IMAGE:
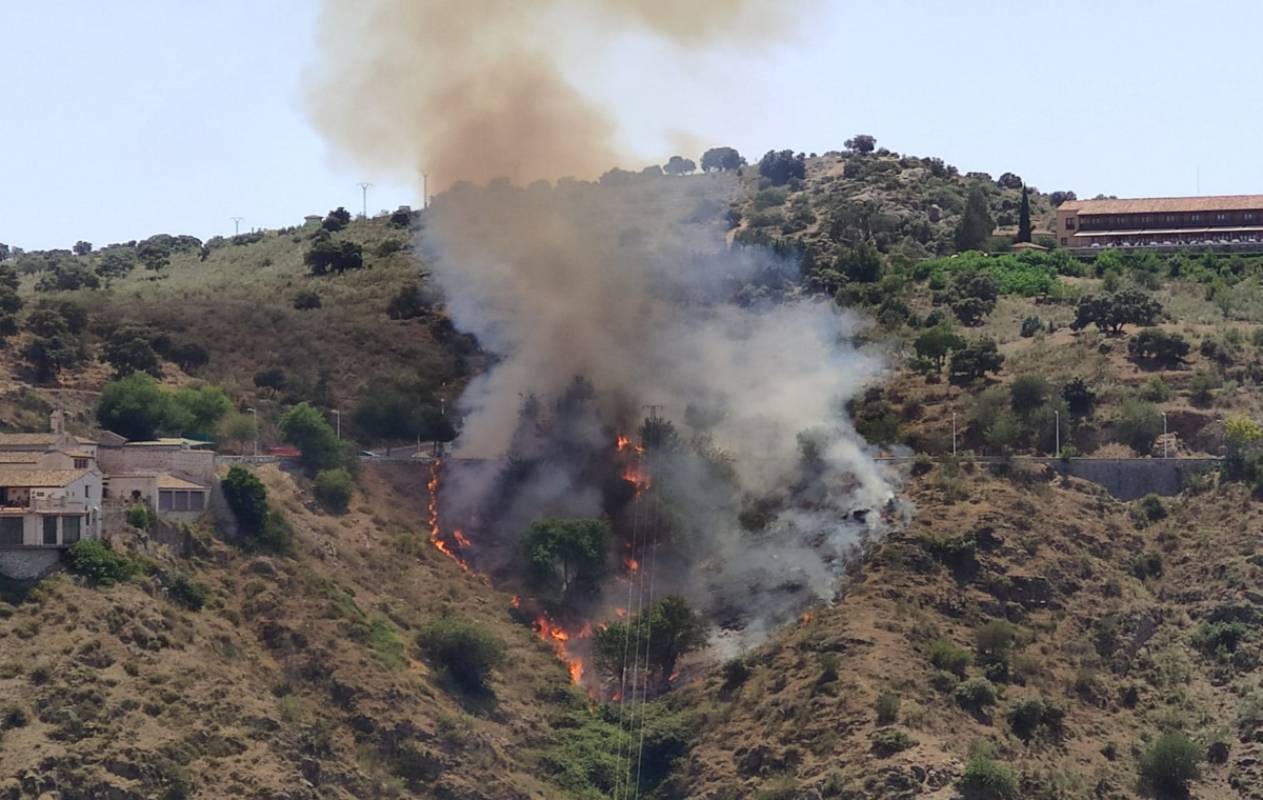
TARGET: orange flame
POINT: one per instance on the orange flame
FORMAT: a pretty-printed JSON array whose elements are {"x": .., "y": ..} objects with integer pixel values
[
  {"x": 623, "y": 442},
  {"x": 516, "y": 602},
  {"x": 432, "y": 510},
  {"x": 633, "y": 566},
  {"x": 806, "y": 617},
  {"x": 552, "y": 633}
]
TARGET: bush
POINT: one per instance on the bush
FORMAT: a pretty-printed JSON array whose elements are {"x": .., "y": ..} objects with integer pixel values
[
  {"x": 887, "y": 708},
  {"x": 139, "y": 517},
  {"x": 465, "y": 650},
  {"x": 1031, "y": 326},
  {"x": 1029, "y": 392},
  {"x": 994, "y": 643},
  {"x": 333, "y": 489},
  {"x": 1150, "y": 508},
  {"x": 93, "y": 560},
  {"x": 1028, "y": 716},
  {"x": 888, "y": 741},
  {"x": 134, "y": 407},
  {"x": 975, "y": 694},
  {"x": 187, "y": 593},
  {"x": 985, "y": 779},
  {"x": 1221, "y": 637},
  {"x": 1139, "y": 425},
  {"x": 1201, "y": 389},
  {"x": 1155, "y": 391},
  {"x": 307, "y": 428},
  {"x": 1157, "y": 346},
  {"x": 1167, "y": 765},
  {"x": 736, "y": 672},
  {"x": 305, "y": 301},
  {"x": 247, "y": 497},
  {"x": 944, "y": 681},
  {"x": 946, "y": 656},
  {"x": 829, "y": 664},
  {"x": 921, "y": 465}
]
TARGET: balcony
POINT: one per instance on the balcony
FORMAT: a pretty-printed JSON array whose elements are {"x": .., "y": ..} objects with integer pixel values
[{"x": 47, "y": 505}]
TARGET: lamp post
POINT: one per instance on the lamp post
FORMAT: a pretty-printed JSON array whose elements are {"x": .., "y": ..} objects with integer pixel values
[
  {"x": 1057, "y": 431},
  {"x": 337, "y": 415},
  {"x": 255, "y": 412},
  {"x": 953, "y": 434},
  {"x": 1164, "y": 434}
]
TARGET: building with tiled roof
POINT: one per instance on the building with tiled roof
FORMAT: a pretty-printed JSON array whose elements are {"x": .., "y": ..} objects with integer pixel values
[{"x": 1231, "y": 223}]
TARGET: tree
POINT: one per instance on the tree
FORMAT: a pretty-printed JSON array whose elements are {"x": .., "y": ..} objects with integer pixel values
[
  {"x": 397, "y": 411},
  {"x": 1110, "y": 312},
  {"x": 678, "y": 165},
  {"x": 333, "y": 488},
  {"x": 10, "y": 301},
  {"x": 237, "y": 428},
  {"x": 134, "y": 407},
  {"x": 862, "y": 263},
  {"x": 780, "y": 167},
  {"x": 1024, "y": 217},
  {"x": 1010, "y": 181},
  {"x": 199, "y": 408},
  {"x": 408, "y": 303},
  {"x": 401, "y": 217},
  {"x": 1157, "y": 346},
  {"x": 113, "y": 264},
  {"x": 936, "y": 343},
  {"x": 670, "y": 629},
  {"x": 67, "y": 277},
  {"x": 128, "y": 350},
  {"x": 721, "y": 159},
  {"x": 1139, "y": 424},
  {"x": 247, "y": 497},
  {"x": 326, "y": 255},
  {"x": 306, "y": 428},
  {"x": 1057, "y": 198},
  {"x": 1167, "y": 765},
  {"x": 5, "y": 251},
  {"x": 1079, "y": 397},
  {"x": 337, "y": 219},
  {"x": 82, "y": 248},
  {"x": 1029, "y": 392},
  {"x": 53, "y": 345},
  {"x": 975, "y": 361},
  {"x": 975, "y": 223},
  {"x": 569, "y": 550},
  {"x": 861, "y": 143}
]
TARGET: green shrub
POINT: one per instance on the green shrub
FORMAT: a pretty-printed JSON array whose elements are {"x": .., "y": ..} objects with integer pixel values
[
  {"x": 922, "y": 464},
  {"x": 139, "y": 517},
  {"x": 1167, "y": 765},
  {"x": 888, "y": 708},
  {"x": 1201, "y": 389},
  {"x": 888, "y": 741},
  {"x": 829, "y": 663},
  {"x": 1150, "y": 508},
  {"x": 465, "y": 650},
  {"x": 944, "y": 681},
  {"x": 949, "y": 657},
  {"x": 247, "y": 497},
  {"x": 186, "y": 592},
  {"x": 1031, "y": 326},
  {"x": 333, "y": 489},
  {"x": 736, "y": 672},
  {"x": 985, "y": 779},
  {"x": 975, "y": 694},
  {"x": 276, "y": 535},
  {"x": 1026, "y": 718},
  {"x": 1221, "y": 637},
  {"x": 994, "y": 642},
  {"x": 1155, "y": 391},
  {"x": 93, "y": 560}
]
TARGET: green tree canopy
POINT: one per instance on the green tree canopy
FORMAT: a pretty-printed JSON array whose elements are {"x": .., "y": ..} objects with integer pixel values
[
  {"x": 247, "y": 497},
  {"x": 975, "y": 361},
  {"x": 935, "y": 344},
  {"x": 1024, "y": 217},
  {"x": 134, "y": 407},
  {"x": 721, "y": 158},
  {"x": 668, "y": 628},
  {"x": 567, "y": 550},
  {"x": 307, "y": 429},
  {"x": 976, "y": 223}
]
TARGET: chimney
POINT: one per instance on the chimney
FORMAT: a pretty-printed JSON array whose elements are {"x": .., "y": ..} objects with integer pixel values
[{"x": 58, "y": 422}]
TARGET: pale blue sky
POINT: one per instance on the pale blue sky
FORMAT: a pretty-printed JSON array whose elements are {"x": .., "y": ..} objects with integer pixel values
[{"x": 123, "y": 119}]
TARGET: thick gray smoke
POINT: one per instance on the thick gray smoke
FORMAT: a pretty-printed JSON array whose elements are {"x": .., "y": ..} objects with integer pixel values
[{"x": 596, "y": 300}]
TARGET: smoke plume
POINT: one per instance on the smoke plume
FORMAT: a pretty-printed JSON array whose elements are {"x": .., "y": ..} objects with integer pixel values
[{"x": 597, "y": 299}]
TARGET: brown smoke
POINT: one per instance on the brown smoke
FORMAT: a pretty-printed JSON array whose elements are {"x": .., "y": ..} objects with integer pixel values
[{"x": 476, "y": 89}]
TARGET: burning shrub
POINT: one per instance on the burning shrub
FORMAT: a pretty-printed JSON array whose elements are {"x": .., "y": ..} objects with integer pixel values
[{"x": 466, "y": 651}]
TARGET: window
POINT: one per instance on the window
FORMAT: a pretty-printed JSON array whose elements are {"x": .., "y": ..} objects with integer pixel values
[
  {"x": 165, "y": 500},
  {"x": 1196, "y": 218},
  {"x": 70, "y": 527},
  {"x": 50, "y": 530},
  {"x": 181, "y": 501},
  {"x": 81, "y": 463},
  {"x": 1069, "y": 223},
  {"x": 197, "y": 501},
  {"x": 1221, "y": 217},
  {"x": 1064, "y": 240},
  {"x": 11, "y": 531}
]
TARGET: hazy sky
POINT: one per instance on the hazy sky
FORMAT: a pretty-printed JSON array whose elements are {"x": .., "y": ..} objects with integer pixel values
[{"x": 135, "y": 117}]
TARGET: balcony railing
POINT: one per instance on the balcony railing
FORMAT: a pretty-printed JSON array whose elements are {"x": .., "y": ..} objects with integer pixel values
[{"x": 58, "y": 505}]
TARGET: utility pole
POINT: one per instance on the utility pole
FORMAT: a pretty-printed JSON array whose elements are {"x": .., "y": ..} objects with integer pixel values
[
  {"x": 1057, "y": 424},
  {"x": 425, "y": 190},
  {"x": 255, "y": 412},
  {"x": 236, "y": 225},
  {"x": 337, "y": 415},
  {"x": 953, "y": 434},
  {"x": 1164, "y": 434},
  {"x": 364, "y": 192}
]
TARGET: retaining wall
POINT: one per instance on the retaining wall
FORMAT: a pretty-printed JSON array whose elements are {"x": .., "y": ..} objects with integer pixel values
[{"x": 29, "y": 563}]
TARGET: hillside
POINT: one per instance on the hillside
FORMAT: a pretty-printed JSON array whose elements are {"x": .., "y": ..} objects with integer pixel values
[{"x": 1098, "y": 625}]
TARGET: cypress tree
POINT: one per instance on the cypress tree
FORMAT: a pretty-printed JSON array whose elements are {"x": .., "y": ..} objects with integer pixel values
[
  {"x": 975, "y": 224},
  {"x": 1024, "y": 218}
]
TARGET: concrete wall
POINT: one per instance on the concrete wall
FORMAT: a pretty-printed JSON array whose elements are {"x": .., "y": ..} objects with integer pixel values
[
  {"x": 195, "y": 465},
  {"x": 28, "y": 565},
  {"x": 1130, "y": 478}
]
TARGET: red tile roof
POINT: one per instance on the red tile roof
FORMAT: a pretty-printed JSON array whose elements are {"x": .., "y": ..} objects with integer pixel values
[{"x": 1166, "y": 205}]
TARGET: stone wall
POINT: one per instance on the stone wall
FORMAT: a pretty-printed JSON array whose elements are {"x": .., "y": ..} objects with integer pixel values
[
  {"x": 1131, "y": 478},
  {"x": 28, "y": 564}
]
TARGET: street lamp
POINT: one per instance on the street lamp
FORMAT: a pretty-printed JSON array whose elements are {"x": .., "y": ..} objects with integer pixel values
[
  {"x": 1164, "y": 434},
  {"x": 1057, "y": 427},
  {"x": 337, "y": 415},
  {"x": 953, "y": 434},
  {"x": 255, "y": 412}
]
